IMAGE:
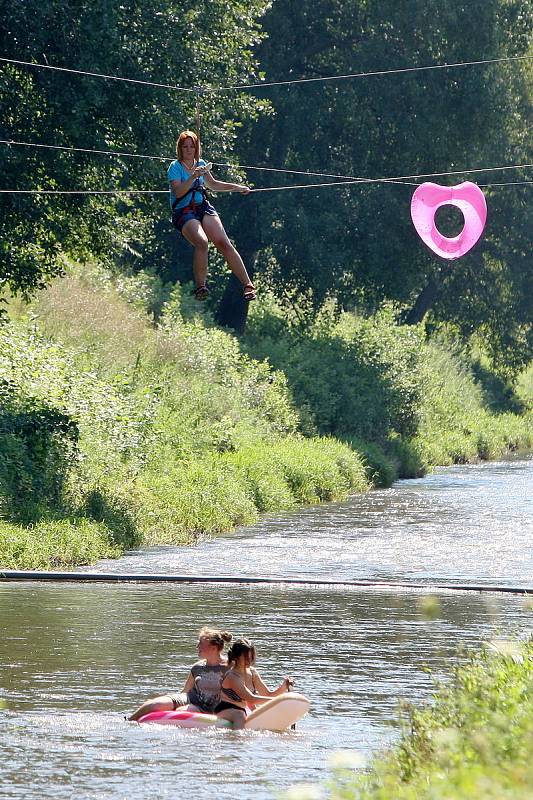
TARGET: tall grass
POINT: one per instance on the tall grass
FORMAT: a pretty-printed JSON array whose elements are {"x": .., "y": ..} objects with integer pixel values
[
  {"x": 179, "y": 434},
  {"x": 135, "y": 431},
  {"x": 455, "y": 426},
  {"x": 385, "y": 388}
]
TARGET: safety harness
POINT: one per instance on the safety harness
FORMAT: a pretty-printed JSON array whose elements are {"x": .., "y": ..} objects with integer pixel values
[{"x": 192, "y": 206}]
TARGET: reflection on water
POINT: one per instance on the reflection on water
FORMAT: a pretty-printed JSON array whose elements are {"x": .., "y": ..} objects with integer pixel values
[{"x": 75, "y": 658}]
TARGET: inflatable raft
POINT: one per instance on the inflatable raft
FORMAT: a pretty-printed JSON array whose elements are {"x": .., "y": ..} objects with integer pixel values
[{"x": 277, "y": 714}]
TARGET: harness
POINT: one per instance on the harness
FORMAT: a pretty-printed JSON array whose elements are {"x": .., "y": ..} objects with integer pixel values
[{"x": 192, "y": 206}]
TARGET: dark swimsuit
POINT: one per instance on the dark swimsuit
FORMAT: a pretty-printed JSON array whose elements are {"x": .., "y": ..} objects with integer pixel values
[
  {"x": 205, "y": 693},
  {"x": 232, "y": 694}
]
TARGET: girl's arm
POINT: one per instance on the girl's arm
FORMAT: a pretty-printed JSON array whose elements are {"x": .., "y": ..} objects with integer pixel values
[
  {"x": 189, "y": 683},
  {"x": 285, "y": 686},
  {"x": 181, "y": 188},
  {"x": 224, "y": 186},
  {"x": 242, "y": 690}
]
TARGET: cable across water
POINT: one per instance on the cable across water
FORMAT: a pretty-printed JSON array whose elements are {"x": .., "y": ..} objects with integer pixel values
[{"x": 111, "y": 577}]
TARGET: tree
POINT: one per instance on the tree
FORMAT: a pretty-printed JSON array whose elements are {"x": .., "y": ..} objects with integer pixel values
[
  {"x": 162, "y": 41},
  {"x": 357, "y": 242}
]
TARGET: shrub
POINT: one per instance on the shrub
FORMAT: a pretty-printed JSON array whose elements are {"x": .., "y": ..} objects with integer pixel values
[
  {"x": 55, "y": 544},
  {"x": 37, "y": 451},
  {"x": 475, "y": 741}
]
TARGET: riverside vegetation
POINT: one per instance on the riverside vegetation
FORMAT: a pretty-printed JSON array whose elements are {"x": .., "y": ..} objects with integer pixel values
[
  {"x": 128, "y": 418},
  {"x": 474, "y": 741}
]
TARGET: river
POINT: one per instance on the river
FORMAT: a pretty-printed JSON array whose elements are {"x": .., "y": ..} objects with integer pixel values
[{"x": 74, "y": 658}]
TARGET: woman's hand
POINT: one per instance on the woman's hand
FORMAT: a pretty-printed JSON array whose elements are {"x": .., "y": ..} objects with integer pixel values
[
  {"x": 244, "y": 189},
  {"x": 199, "y": 171}
]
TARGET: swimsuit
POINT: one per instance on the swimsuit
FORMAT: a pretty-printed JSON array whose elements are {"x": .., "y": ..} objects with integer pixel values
[
  {"x": 205, "y": 694},
  {"x": 232, "y": 694}
]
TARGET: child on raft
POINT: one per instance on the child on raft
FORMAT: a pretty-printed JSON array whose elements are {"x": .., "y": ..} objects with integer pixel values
[
  {"x": 196, "y": 219},
  {"x": 242, "y": 686}
]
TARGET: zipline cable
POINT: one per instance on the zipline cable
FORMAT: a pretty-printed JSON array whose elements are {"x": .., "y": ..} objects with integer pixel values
[
  {"x": 82, "y": 150},
  {"x": 165, "y": 191},
  {"x": 351, "y": 75},
  {"x": 168, "y": 158},
  {"x": 96, "y": 75},
  {"x": 344, "y": 178},
  {"x": 112, "y": 577},
  {"x": 242, "y": 87},
  {"x": 391, "y": 180}
]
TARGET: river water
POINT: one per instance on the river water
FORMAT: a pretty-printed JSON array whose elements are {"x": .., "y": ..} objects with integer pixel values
[{"x": 75, "y": 658}]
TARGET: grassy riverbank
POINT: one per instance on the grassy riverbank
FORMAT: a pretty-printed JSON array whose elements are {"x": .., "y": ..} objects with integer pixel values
[
  {"x": 475, "y": 741},
  {"x": 116, "y": 431},
  {"x": 375, "y": 381}
]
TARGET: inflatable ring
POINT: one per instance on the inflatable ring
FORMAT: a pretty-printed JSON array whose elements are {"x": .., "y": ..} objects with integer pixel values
[{"x": 467, "y": 197}]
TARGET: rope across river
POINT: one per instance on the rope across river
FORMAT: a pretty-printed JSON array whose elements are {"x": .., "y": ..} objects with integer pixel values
[{"x": 368, "y": 583}]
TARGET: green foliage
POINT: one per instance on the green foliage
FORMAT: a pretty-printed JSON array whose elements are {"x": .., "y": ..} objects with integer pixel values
[
  {"x": 475, "y": 741},
  {"x": 499, "y": 394},
  {"x": 180, "y": 433},
  {"x": 37, "y": 450},
  {"x": 455, "y": 424},
  {"x": 524, "y": 387},
  {"x": 375, "y": 381},
  {"x": 157, "y": 40},
  {"x": 55, "y": 544},
  {"x": 379, "y": 469},
  {"x": 119, "y": 432},
  {"x": 367, "y": 127},
  {"x": 357, "y": 243},
  {"x": 356, "y": 377}
]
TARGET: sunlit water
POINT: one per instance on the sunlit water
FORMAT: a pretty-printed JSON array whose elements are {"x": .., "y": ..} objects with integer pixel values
[
  {"x": 470, "y": 524},
  {"x": 75, "y": 658}
]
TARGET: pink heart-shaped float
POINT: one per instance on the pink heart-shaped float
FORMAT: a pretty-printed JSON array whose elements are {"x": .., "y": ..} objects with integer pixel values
[{"x": 468, "y": 197}]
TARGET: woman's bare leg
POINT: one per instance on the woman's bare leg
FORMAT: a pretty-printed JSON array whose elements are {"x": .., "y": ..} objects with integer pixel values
[
  {"x": 162, "y": 703},
  {"x": 194, "y": 233},
  {"x": 236, "y": 717},
  {"x": 215, "y": 233}
]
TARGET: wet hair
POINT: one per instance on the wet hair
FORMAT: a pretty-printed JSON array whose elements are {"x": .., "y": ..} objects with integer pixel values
[
  {"x": 215, "y": 637},
  {"x": 241, "y": 647},
  {"x": 179, "y": 144}
]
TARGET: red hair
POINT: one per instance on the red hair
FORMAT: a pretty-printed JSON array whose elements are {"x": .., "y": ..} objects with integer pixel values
[{"x": 179, "y": 144}]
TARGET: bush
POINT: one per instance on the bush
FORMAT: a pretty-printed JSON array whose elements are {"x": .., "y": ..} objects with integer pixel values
[
  {"x": 475, "y": 741},
  {"x": 37, "y": 451},
  {"x": 55, "y": 544},
  {"x": 180, "y": 433},
  {"x": 414, "y": 403},
  {"x": 356, "y": 377}
]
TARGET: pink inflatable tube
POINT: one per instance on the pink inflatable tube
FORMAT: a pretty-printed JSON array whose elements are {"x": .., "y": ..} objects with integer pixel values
[
  {"x": 277, "y": 714},
  {"x": 186, "y": 719},
  {"x": 468, "y": 197}
]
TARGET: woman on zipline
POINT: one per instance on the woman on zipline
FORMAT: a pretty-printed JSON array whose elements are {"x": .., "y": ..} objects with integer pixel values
[{"x": 196, "y": 219}]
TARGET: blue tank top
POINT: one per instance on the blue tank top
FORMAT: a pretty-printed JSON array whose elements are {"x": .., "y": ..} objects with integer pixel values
[{"x": 177, "y": 172}]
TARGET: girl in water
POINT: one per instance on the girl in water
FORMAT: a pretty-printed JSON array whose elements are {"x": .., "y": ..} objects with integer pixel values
[
  {"x": 195, "y": 217},
  {"x": 202, "y": 687},
  {"x": 243, "y": 686}
]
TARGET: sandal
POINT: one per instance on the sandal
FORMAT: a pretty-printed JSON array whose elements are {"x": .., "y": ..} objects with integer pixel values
[
  {"x": 201, "y": 292},
  {"x": 249, "y": 292}
]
